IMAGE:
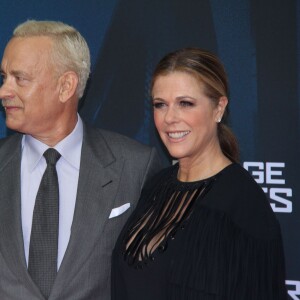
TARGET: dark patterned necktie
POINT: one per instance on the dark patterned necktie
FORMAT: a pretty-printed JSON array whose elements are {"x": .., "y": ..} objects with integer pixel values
[{"x": 42, "y": 264}]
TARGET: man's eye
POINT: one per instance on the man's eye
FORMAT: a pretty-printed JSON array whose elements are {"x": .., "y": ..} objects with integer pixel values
[
  {"x": 2, "y": 79},
  {"x": 21, "y": 80},
  {"x": 158, "y": 105}
]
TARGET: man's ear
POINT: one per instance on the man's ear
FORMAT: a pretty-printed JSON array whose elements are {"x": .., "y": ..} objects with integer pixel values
[{"x": 68, "y": 85}]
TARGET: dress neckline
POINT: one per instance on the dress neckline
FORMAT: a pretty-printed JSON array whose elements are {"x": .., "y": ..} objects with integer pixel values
[
  {"x": 168, "y": 210},
  {"x": 200, "y": 181}
]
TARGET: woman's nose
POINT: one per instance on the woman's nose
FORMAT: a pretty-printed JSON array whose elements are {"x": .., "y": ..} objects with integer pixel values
[{"x": 171, "y": 115}]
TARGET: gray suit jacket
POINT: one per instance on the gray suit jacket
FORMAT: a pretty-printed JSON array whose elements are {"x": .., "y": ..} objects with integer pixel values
[{"x": 113, "y": 170}]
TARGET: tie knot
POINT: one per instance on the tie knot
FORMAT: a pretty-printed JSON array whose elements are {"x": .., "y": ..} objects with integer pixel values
[{"x": 51, "y": 156}]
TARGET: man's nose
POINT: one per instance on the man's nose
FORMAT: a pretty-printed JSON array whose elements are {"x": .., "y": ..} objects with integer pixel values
[{"x": 6, "y": 91}]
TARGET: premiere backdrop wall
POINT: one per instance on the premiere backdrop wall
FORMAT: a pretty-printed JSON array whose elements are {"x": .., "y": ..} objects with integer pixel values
[{"x": 259, "y": 43}]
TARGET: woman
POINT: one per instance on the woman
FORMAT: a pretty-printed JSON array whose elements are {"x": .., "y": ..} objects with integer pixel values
[{"x": 203, "y": 228}]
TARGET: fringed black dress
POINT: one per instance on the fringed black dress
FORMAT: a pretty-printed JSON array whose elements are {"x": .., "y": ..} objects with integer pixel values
[{"x": 207, "y": 240}]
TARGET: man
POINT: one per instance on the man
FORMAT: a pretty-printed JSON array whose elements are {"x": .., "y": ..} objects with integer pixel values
[{"x": 96, "y": 178}]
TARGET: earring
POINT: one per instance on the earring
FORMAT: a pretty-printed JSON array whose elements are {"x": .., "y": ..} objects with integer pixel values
[{"x": 219, "y": 120}]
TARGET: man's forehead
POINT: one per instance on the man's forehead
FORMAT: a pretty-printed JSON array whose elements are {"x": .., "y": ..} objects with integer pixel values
[
  {"x": 33, "y": 43},
  {"x": 26, "y": 51}
]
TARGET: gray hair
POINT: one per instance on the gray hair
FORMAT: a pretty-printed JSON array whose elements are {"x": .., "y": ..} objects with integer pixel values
[{"x": 70, "y": 51}]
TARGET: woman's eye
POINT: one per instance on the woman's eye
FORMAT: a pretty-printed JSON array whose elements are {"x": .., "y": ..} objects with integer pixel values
[
  {"x": 186, "y": 103},
  {"x": 158, "y": 105}
]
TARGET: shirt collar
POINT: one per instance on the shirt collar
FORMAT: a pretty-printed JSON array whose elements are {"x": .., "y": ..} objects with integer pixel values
[{"x": 69, "y": 147}]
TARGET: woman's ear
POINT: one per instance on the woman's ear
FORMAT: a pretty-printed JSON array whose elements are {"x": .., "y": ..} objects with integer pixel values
[
  {"x": 223, "y": 101},
  {"x": 68, "y": 86}
]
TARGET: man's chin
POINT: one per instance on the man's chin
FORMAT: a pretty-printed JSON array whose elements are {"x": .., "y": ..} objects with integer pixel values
[{"x": 13, "y": 125}]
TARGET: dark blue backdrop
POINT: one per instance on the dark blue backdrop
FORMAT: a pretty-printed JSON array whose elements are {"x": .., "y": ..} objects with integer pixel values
[{"x": 259, "y": 43}]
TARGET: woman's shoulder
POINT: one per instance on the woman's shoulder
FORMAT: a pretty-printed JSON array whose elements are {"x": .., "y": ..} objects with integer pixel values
[
  {"x": 236, "y": 193},
  {"x": 234, "y": 181},
  {"x": 235, "y": 173}
]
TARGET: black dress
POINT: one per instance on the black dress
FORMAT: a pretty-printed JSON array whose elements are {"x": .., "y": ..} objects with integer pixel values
[{"x": 212, "y": 239}]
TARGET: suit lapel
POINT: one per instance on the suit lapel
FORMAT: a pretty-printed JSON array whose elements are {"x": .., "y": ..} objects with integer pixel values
[
  {"x": 98, "y": 183},
  {"x": 11, "y": 241},
  {"x": 97, "y": 186}
]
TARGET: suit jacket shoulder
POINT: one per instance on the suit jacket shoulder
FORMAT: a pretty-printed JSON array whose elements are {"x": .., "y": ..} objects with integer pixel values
[
  {"x": 111, "y": 146},
  {"x": 122, "y": 144}
]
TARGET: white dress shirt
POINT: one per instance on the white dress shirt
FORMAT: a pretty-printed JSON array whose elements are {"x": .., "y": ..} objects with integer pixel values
[{"x": 33, "y": 165}]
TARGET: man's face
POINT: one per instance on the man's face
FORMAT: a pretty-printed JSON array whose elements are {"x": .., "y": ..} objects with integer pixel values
[{"x": 30, "y": 89}]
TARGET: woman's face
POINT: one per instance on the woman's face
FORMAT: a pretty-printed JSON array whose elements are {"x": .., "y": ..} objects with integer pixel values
[{"x": 186, "y": 119}]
